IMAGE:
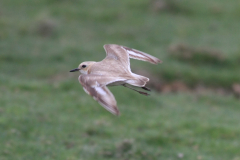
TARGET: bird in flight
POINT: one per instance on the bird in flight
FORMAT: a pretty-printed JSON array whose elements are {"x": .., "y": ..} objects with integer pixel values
[{"x": 112, "y": 71}]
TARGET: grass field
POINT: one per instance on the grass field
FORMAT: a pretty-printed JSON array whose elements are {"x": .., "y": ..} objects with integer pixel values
[{"x": 45, "y": 114}]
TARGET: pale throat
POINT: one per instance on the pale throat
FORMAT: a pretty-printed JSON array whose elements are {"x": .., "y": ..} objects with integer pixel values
[{"x": 83, "y": 71}]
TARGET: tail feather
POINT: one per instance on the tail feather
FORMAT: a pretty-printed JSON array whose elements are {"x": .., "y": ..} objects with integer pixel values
[{"x": 139, "y": 81}]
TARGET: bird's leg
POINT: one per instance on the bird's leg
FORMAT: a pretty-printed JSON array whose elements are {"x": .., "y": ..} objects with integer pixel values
[
  {"x": 146, "y": 88},
  {"x": 144, "y": 93}
]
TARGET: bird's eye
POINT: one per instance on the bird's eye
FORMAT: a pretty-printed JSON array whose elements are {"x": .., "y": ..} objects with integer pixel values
[{"x": 83, "y": 66}]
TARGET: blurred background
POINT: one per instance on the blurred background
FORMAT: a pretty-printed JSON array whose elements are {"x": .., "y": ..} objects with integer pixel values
[{"x": 193, "y": 110}]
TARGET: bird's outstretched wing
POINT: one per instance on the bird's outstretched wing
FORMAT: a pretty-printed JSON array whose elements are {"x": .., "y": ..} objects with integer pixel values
[
  {"x": 123, "y": 54},
  {"x": 139, "y": 55},
  {"x": 95, "y": 85}
]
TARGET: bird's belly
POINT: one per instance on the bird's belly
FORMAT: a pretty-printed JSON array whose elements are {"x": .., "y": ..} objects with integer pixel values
[{"x": 117, "y": 83}]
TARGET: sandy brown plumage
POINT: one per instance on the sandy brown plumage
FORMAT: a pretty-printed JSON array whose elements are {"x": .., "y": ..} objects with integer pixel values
[{"x": 113, "y": 70}]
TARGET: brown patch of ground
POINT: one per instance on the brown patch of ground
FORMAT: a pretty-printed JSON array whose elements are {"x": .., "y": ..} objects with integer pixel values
[
  {"x": 46, "y": 27},
  {"x": 236, "y": 90},
  {"x": 159, "y": 5},
  {"x": 157, "y": 84},
  {"x": 185, "y": 52},
  {"x": 172, "y": 6}
]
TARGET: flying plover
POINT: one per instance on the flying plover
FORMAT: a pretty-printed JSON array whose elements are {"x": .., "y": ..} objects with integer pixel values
[{"x": 111, "y": 71}]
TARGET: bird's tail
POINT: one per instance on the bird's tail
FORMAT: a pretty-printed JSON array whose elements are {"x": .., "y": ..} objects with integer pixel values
[{"x": 139, "y": 81}]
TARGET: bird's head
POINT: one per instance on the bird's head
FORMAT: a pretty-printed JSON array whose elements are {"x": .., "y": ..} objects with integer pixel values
[{"x": 84, "y": 67}]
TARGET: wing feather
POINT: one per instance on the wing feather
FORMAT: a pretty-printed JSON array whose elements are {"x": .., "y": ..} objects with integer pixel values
[
  {"x": 123, "y": 54},
  {"x": 116, "y": 53},
  {"x": 100, "y": 93},
  {"x": 139, "y": 55}
]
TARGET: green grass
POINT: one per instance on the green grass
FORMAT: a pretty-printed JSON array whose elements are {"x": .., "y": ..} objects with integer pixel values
[
  {"x": 45, "y": 114},
  {"x": 54, "y": 122}
]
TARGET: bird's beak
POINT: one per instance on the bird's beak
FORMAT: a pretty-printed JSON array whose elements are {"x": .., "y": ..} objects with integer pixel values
[{"x": 74, "y": 70}]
